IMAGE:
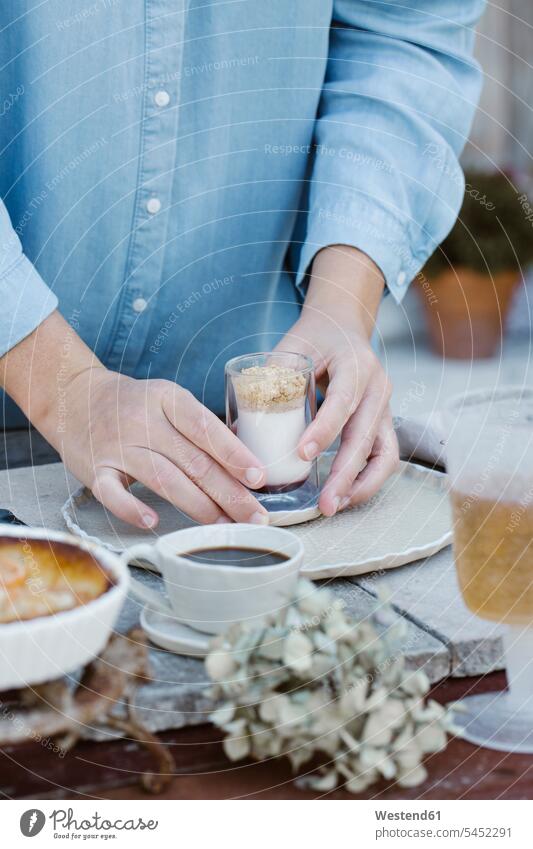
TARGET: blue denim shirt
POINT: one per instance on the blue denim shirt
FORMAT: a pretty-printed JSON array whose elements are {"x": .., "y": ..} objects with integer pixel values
[{"x": 169, "y": 168}]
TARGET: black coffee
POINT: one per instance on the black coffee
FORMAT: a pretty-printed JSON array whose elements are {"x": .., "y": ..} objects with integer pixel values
[{"x": 236, "y": 556}]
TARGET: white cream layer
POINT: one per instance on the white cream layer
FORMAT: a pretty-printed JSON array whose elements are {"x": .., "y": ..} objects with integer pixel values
[{"x": 273, "y": 438}]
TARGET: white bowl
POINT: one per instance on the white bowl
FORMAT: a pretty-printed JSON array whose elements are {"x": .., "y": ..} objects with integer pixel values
[{"x": 47, "y": 647}]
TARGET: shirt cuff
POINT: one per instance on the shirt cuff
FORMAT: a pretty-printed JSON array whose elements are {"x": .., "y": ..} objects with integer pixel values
[
  {"x": 26, "y": 302},
  {"x": 364, "y": 226}
]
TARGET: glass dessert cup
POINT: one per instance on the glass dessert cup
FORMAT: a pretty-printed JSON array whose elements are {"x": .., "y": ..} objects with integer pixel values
[
  {"x": 490, "y": 467},
  {"x": 270, "y": 400}
]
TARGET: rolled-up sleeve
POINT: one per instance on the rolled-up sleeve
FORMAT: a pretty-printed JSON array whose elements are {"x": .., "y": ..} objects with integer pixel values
[
  {"x": 400, "y": 91},
  {"x": 26, "y": 300}
]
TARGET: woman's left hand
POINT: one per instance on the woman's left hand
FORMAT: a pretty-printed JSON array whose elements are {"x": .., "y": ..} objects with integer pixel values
[{"x": 357, "y": 394}]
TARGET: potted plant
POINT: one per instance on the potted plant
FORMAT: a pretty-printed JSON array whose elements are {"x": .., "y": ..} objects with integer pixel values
[{"x": 467, "y": 284}]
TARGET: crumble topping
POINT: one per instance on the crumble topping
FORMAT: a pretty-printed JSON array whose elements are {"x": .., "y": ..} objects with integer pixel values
[{"x": 272, "y": 388}]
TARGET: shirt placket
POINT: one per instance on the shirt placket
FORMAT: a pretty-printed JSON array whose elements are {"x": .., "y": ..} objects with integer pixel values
[{"x": 164, "y": 37}]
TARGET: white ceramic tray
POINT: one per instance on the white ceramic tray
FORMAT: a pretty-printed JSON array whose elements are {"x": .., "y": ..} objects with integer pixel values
[
  {"x": 47, "y": 647},
  {"x": 407, "y": 520}
]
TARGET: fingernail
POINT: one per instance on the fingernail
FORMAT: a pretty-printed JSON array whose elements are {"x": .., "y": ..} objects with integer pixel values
[
  {"x": 253, "y": 475},
  {"x": 223, "y": 520},
  {"x": 259, "y": 518},
  {"x": 336, "y": 502},
  {"x": 344, "y": 502},
  {"x": 311, "y": 450},
  {"x": 149, "y": 521}
]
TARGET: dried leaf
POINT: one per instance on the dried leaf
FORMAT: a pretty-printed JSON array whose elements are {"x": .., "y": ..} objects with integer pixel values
[
  {"x": 377, "y": 730},
  {"x": 322, "y": 783},
  {"x": 416, "y": 683},
  {"x": 236, "y": 748},
  {"x": 297, "y": 652},
  {"x": 353, "y": 702},
  {"x": 270, "y": 708},
  {"x": 431, "y": 738},
  {"x": 315, "y": 603},
  {"x": 412, "y": 777},
  {"x": 220, "y": 665},
  {"x": 222, "y": 715}
]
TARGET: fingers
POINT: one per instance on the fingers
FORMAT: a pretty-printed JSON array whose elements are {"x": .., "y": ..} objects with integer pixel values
[
  {"x": 233, "y": 499},
  {"x": 382, "y": 463},
  {"x": 201, "y": 427},
  {"x": 346, "y": 388},
  {"x": 109, "y": 487},
  {"x": 171, "y": 483},
  {"x": 168, "y": 481},
  {"x": 358, "y": 438}
]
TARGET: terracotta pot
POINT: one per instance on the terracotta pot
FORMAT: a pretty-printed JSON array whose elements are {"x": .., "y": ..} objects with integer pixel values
[{"x": 466, "y": 311}]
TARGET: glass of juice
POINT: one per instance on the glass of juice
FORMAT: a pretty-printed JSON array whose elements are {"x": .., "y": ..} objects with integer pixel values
[
  {"x": 270, "y": 400},
  {"x": 489, "y": 458}
]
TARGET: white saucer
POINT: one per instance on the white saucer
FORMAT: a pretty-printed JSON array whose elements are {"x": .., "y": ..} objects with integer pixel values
[
  {"x": 167, "y": 633},
  {"x": 291, "y": 508},
  {"x": 285, "y": 518}
]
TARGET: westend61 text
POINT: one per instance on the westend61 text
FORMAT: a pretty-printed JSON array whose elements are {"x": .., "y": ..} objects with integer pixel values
[{"x": 407, "y": 815}]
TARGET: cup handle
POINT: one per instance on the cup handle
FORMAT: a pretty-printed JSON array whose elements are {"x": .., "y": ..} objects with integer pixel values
[{"x": 144, "y": 551}]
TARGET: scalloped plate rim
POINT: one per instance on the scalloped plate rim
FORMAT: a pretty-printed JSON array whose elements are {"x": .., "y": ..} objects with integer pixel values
[{"x": 390, "y": 560}]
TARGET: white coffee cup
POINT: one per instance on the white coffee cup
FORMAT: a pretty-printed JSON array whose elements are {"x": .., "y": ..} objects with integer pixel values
[{"x": 210, "y": 596}]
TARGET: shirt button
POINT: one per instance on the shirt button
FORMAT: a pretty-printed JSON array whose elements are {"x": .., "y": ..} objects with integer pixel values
[
  {"x": 402, "y": 277},
  {"x": 139, "y": 304},
  {"x": 162, "y": 98},
  {"x": 153, "y": 205}
]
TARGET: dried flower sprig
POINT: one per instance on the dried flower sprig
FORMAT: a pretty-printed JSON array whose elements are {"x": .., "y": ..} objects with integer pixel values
[{"x": 312, "y": 682}]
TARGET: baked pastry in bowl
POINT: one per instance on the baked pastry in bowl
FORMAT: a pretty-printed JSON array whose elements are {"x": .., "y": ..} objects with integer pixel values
[
  {"x": 44, "y": 577},
  {"x": 59, "y": 599}
]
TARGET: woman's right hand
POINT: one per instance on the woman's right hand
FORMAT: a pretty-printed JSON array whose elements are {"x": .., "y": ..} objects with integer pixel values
[{"x": 111, "y": 430}]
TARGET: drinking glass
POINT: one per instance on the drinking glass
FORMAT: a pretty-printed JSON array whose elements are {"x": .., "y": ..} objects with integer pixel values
[
  {"x": 269, "y": 413},
  {"x": 489, "y": 451}
]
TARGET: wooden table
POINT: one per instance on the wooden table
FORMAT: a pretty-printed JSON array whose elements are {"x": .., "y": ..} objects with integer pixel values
[
  {"x": 112, "y": 770},
  {"x": 443, "y": 638}
]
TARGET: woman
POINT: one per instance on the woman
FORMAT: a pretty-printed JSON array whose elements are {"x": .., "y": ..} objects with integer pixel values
[{"x": 178, "y": 179}]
